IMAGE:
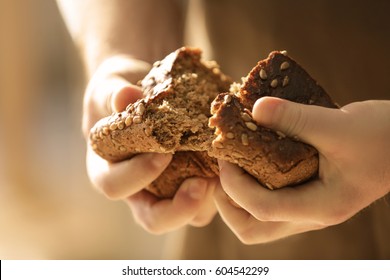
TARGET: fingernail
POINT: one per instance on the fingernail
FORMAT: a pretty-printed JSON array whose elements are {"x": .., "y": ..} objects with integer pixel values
[
  {"x": 197, "y": 189},
  {"x": 265, "y": 110}
]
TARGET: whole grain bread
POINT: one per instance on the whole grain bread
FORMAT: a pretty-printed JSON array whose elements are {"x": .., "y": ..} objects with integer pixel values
[
  {"x": 172, "y": 117},
  {"x": 271, "y": 157}
]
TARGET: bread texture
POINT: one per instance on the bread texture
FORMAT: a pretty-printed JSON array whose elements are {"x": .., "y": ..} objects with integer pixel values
[
  {"x": 183, "y": 165},
  {"x": 272, "y": 158},
  {"x": 172, "y": 117},
  {"x": 192, "y": 110}
]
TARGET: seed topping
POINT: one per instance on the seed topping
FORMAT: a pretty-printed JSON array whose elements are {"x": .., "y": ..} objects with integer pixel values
[
  {"x": 227, "y": 99},
  {"x": 246, "y": 117},
  {"x": 251, "y": 126},
  {"x": 281, "y": 134},
  {"x": 128, "y": 121},
  {"x": 137, "y": 119},
  {"x": 113, "y": 126},
  {"x": 263, "y": 74},
  {"x": 274, "y": 83},
  {"x": 284, "y": 65},
  {"x": 105, "y": 131},
  {"x": 230, "y": 135},
  {"x": 121, "y": 125},
  {"x": 244, "y": 139},
  {"x": 140, "y": 109},
  {"x": 285, "y": 81}
]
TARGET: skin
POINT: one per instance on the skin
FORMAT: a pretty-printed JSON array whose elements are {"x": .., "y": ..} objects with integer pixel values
[
  {"x": 113, "y": 66},
  {"x": 352, "y": 141},
  {"x": 354, "y": 171}
]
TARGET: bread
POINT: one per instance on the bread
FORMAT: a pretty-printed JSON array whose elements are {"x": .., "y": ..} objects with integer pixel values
[
  {"x": 183, "y": 165},
  {"x": 272, "y": 158},
  {"x": 172, "y": 117}
]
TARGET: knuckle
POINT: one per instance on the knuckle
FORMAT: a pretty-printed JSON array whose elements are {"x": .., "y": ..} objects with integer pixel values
[
  {"x": 250, "y": 236},
  {"x": 201, "y": 221},
  {"x": 298, "y": 121},
  {"x": 262, "y": 212},
  {"x": 110, "y": 192},
  {"x": 246, "y": 236},
  {"x": 143, "y": 219},
  {"x": 247, "y": 239},
  {"x": 335, "y": 217},
  {"x": 107, "y": 187},
  {"x": 151, "y": 227}
]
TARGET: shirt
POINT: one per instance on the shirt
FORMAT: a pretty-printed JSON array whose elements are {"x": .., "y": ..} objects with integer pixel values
[{"x": 344, "y": 46}]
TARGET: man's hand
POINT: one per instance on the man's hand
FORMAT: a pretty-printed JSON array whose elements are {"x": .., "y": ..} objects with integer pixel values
[
  {"x": 109, "y": 90},
  {"x": 354, "y": 171}
]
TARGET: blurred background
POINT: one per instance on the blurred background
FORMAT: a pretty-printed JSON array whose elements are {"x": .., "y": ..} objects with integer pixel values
[{"x": 48, "y": 209}]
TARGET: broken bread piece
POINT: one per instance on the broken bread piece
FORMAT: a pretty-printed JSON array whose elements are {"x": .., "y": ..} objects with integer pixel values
[
  {"x": 172, "y": 117},
  {"x": 183, "y": 165},
  {"x": 274, "y": 159}
]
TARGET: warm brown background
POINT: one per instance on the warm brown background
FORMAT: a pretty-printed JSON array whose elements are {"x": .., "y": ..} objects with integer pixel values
[{"x": 48, "y": 210}]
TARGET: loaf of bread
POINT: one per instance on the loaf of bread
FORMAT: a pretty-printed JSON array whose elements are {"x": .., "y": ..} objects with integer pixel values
[
  {"x": 189, "y": 111},
  {"x": 171, "y": 118},
  {"x": 271, "y": 157}
]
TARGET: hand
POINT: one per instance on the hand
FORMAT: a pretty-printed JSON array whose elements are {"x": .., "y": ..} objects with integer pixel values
[
  {"x": 354, "y": 171},
  {"x": 110, "y": 91}
]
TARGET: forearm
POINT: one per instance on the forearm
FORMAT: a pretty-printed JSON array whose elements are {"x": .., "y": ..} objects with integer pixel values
[{"x": 143, "y": 29}]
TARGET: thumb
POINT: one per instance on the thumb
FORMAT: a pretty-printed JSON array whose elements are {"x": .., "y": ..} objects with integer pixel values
[
  {"x": 106, "y": 96},
  {"x": 312, "y": 124},
  {"x": 110, "y": 89},
  {"x": 123, "y": 95}
]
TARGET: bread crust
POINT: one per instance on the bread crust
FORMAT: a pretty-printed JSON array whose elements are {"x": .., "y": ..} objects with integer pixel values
[
  {"x": 184, "y": 165},
  {"x": 272, "y": 158},
  {"x": 174, "y": 116}
]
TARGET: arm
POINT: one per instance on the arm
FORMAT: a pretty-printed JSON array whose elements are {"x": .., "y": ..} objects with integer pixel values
[
  {"x": 145, "y": 30},
  {"x": 118, "y": 40}
]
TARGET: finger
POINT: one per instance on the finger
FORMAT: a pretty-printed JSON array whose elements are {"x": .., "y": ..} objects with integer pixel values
[
  {"x": 123, "y": 96},
  {"x": 122, "y": 179},
  {"x": 250, "y": 195},
  {"x": 313, "y": 202},
  {"x": 104, "y": 93},
  {"x": 250, "y": 230},
  {"x": 105, "y": 96},
  {"x": 208, "y": 210},
  {"x": 312, "y": 124},
  {"x": 160, "y": 216}
]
